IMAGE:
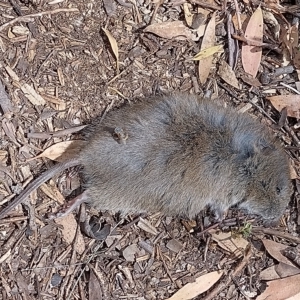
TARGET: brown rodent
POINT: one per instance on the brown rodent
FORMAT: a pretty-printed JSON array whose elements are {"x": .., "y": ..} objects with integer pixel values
[{"x": 178, "y": 154}]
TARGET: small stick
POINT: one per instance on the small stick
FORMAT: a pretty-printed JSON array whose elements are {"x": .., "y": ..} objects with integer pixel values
[
  {"x": 293, "y": 135},
  {"x": 222, "y": 285},
  {"x": 28, "y": 18},
  {"x": 281, "y": 234},
  {"x": 165, "y": 266},
  {"x": 289, "y": 87},
  {"x": 16, "y": 7},
  {"x": 157, "y": 5},
  {"x": 58, "y": 133},
  {"x": 254, "y": 43}
]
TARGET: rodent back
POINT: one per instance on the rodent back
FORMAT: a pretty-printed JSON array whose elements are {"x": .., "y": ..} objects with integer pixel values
[{"x": 182, "y": 153}]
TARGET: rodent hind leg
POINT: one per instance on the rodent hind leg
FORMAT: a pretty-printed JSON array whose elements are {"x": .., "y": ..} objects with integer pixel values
[{"x": 71, "y": 205}]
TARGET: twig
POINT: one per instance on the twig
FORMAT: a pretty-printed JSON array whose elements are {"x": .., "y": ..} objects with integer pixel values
[
  {"x": 293, "y": 135},
  {"x": 207, "y": 229},
  {"x": 261, "y": 110},
  {"x": 206, "y": 249},
  {"x": 28, "y": 18},
  {"x": 44, "y": 62},
  {"x": 59, "y": 133},
  {"x": 165, "y": 266},
  {"x": 13, "y": 220},
  {"x": 16, "y": 7},
  {"x": 222, "y": 285},
  {"x": 284, "y": 235},
  {"x": 254, "y": 43},
  {"x": 266, "y": 77},
  {"x": 121, "y": 73},
  {"x": 157, "y": 5},
  {"x": 289, "y": 87}
]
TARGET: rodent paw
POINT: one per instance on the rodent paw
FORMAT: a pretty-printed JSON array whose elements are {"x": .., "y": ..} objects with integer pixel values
[{"x": 219, "y": 215}]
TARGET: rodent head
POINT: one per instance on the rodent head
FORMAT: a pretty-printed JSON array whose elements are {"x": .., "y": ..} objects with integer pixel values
[{"x": 267, "y": 182}]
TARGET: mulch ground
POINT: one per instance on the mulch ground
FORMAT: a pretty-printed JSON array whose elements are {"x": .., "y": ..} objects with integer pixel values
[{"x": 58, "y": 71}]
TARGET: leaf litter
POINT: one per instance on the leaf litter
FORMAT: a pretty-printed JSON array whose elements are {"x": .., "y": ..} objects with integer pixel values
[{"x": 60, "y": 70}]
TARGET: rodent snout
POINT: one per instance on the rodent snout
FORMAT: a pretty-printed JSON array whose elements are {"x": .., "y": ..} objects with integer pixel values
[{"x": 268, "y": 211}]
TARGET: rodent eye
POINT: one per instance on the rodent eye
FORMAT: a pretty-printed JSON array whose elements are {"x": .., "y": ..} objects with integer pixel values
[{"x": 278, "y": 190}]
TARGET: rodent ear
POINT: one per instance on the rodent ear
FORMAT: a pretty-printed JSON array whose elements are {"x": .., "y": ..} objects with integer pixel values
[{"x": 263, "y": 147}]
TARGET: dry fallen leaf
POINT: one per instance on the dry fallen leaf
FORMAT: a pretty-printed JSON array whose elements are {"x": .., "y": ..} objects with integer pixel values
[
  {"x": 291, "y": 102},
  {"x": 69, "y": 231},
  {"x": 12, "y": 74},
  {"x": 208, "y": 52},
  {"x": 188, "y": 16},
  {"x": 247, "y": 78},
  {"x": 294, "y": 36},
  {"x": 228, "y": 242},
  {"x": 189, "y": 225},
  {"x": 227, "y": 74},
  {"x": 251, "y": 55},
  {"x": 278, "y": 271},
  {"x": 269, "y": 18},
  {"x": 269, "y": 274},
  {"x": 114, "y": 46},
  {"x": 274, "y": 249},
  {"x": 110, "y": 7},
  {"x": 284, "y": 270},
  {"x": 207, "y": 42},
  {"x": 58, "y": 151},
  {"x": 173, "y": 29},
  {"x": 243, "y": 19},
  {"x": 201, "y": 285},
  {"x": 293, "y": 253},
  {"x": 112, "y": 239},
  {"x": 281, "y": 289},
  {"x": 96, "y": 280},
  {"x": 146, "y": 226},
  {"x": 296, "y": 297},
  {"x": 131, "y": 252}
]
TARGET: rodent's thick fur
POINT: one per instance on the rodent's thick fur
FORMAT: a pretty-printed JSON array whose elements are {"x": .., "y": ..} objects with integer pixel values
[{"x": 181, "y": 154}]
